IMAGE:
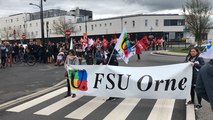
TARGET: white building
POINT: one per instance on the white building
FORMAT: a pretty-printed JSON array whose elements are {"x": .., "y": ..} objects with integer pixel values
[
  {"x": 169, "y": 26},
  {"x": 14, "y": 26}
]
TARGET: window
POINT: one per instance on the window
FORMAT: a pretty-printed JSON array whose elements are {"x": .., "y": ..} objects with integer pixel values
[
  {"x": 92, "y": 27},
  {"x": 110, "y": 24},
  {"x": 146, "y": 23},
  {"x": 36, "y": 24},
  {"x": 100, "y": 25},
  {"x": 125, "y": 22},
  {"x": 80, "y": 28},
  {"x": 156, "y": 22},
  {"x": 95, "y": 25},
  {"x": 11, "y": 20},
  {"x": 20, "y": 26},
  {"x": 32, "y": 33},
  {"x": 174, "y": 22},
  {"x": 17, "y": 19},
  {"x": 105, "y": 24},
  {"x": 30, "y": 25},
  {"x": 36, "y": 33},
  {"x": 133, "y": 23}
]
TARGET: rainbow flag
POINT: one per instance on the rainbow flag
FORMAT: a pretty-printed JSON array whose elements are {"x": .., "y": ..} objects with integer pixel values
[{"x": 124, "y": 48}]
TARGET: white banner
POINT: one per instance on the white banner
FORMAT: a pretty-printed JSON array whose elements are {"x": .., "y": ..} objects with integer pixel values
[{"x": 159, "y": 82}]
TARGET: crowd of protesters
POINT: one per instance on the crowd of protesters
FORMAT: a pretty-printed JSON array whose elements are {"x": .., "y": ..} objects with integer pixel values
[
  {"x": 43, "y": 53},
  {"x": 49, "y": 52}
]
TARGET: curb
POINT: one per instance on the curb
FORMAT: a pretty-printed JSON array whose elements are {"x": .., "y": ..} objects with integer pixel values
[
  {"x": 33, "y": 95},
  {"x": 166, "y": 52}
]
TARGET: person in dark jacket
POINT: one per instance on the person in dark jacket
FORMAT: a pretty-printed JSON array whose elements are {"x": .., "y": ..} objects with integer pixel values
[
  {"x": 3, "y": 55},
  {"x": 111, "y": 56},
  {"x": 111, "y": 60},
  {"x": 204, "y": 85},
  {"x": 197, "y": 62},
  {"x": 99, "y": 55},
  {"x": 89, "y": 56}
]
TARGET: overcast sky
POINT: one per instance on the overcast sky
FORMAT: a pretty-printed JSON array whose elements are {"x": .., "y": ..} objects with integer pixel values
[{"x": 100, "y": 8}]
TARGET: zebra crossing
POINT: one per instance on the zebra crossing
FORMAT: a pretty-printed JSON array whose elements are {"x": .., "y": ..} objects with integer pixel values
[{"x": 53, "y": 106}]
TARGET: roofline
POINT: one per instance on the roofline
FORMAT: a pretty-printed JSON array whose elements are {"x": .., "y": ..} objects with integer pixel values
[{"x": 135, "y": 15}]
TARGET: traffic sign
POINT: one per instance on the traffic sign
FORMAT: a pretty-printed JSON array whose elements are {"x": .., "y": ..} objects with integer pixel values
[
  {"x": 67, "y": 32},
  {"x": 23, "y": 36}
]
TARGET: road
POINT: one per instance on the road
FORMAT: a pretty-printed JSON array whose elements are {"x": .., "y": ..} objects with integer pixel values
[
  {"x": 43, "y": 76},
  {"x": 21, "y": 79}
]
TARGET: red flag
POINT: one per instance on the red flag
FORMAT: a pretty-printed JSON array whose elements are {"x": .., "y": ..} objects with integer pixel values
[
  {"x": 105, "y": 43},
  {"x": 81, "y": 40},
  {"x": 154, "y": 39},
  {"x": 114, "y": 39},
  {"x": 98, "y": 40},
  {"x": 144, "y": 42},
  {"x": 159, "y": 42},
  {"x": 139, "y": 47}
]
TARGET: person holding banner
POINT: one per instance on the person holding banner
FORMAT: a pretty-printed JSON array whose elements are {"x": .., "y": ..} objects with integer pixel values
[
  {"x": 197, "y": 62},
  {"x": 71, "y": 59},
  {"x": 204, "y": 85}
]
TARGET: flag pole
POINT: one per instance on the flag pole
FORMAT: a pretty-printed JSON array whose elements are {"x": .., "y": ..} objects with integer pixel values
[{"x": 111, "y": 56}]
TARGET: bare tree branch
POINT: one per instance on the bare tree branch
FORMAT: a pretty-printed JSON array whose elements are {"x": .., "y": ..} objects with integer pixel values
[
  {"x": 60, "y": 27},
  {"x": 197, "y": 16}
]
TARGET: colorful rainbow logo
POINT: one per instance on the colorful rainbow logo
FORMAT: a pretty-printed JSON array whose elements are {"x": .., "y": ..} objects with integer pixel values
[
  {"x": 78, "y": 79},
  {"x": 125, "y": 45}
]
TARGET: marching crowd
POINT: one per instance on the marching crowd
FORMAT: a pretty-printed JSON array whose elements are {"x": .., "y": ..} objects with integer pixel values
[
  {"x": 55, "y": 52},
  {"x": 102, "y": 52}
]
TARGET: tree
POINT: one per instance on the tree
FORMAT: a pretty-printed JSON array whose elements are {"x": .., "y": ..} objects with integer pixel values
[
  {"x": 61, "y": 26},
  {"x": 197, "y": 17},
  {"x": 7, "y": 33}
]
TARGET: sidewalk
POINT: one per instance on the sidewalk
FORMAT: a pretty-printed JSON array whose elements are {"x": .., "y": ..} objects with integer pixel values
[{"x": 166, "y": 52}]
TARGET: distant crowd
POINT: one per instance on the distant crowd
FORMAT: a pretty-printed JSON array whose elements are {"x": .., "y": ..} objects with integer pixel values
[
  {"x": 15, "y": 53},
  {"x": 55, "y": 52}
]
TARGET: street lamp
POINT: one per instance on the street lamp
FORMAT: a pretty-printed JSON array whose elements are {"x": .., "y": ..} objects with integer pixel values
[{"x": 42, "y": 19}]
